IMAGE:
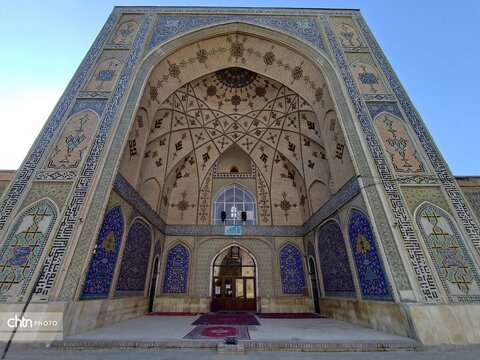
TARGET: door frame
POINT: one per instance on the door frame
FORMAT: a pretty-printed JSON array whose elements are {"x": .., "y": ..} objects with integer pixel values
[
  {"x": 212, "y": 262},
  {"x": 153, "y": 284}
]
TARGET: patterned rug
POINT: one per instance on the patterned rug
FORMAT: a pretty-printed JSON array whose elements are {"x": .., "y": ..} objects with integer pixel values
[
  {"x": 226, "y": 319},
  {"x": 289, "y": 316},
  {"x": 219, "y": 332}
]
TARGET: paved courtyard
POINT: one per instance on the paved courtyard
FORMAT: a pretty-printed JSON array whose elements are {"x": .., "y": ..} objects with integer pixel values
[{"x": 164, "y": 332}]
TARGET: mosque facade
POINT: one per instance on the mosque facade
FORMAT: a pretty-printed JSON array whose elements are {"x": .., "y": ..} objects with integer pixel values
[{"x": 241, "y": 159}]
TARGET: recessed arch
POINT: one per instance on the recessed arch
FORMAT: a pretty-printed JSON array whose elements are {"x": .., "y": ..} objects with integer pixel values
[
  {"x": 398, "y": 144},
  {"x": 447, "y": 249}
]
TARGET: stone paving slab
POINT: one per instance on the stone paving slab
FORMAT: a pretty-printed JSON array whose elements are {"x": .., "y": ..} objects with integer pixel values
[
  {"x": 308, "y": 335},
  {"x": 162, "y": 328}
]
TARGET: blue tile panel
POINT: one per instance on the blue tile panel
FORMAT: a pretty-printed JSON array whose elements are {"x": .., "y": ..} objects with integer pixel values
[
  {"x": 336, "y": 272},
  {"x": 102, "y": 264},
  {"x": 171, "y": 26},
  {"x": 24, "y": 246},
  {"x": 291, "y": 270},
  {"x": 371, "y": 276},
  {"x": 176, "y": 270},
  {"x": 134, "y": 267}
]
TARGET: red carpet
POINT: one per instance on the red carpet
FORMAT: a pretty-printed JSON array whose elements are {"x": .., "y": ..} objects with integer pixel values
[
  {"x": 226, "y": 319},
  {"x": 219, "y": 332},
  {"x": 289, "y": 316}
]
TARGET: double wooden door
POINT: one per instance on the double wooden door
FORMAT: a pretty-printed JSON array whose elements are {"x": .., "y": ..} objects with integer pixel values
[{"x": 234, "y": 293}]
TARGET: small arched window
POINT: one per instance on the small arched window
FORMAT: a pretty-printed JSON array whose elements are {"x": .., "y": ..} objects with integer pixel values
[{"x": 237, "y": 206}]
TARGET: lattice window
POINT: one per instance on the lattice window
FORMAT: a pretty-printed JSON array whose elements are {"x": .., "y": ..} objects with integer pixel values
[{"x": 233, "y": 200}]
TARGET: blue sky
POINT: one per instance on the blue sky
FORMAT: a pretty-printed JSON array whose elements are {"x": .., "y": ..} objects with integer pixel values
[{"x": 432, "y": 45}]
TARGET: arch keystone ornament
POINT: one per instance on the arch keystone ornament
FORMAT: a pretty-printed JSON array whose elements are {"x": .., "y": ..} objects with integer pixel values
[{"x": 288, "y": 125}]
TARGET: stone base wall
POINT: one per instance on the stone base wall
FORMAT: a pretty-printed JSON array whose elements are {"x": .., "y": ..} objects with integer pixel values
[
  {"x": 202, "y": 304},
  {"x": 457, "y": 324},
  {"x": 182, "y": 304},
  {"x": 286, "y": 304},
  {"x": 82, "y": 316},
  {"x": 379, "y": 315}
]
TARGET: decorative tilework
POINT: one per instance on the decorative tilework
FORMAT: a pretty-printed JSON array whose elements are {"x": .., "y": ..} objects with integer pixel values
[
  {"x": 133, "y": 197},
  {"x": 102, "y": 264},
  {"x": 55, "y": 191},
  {"x": 176, "y": 270},
  {"x": 125, "y": 33},
  {"x": 473, "y": 197},
  {"x": 24, "y": 246},
  {"x": 444, "y": 174},
  {"x": 416, "y": 255},
  {"x": 105, "y": 75},
  {"x": 136, "y": 255},
  {"x": 232, "y": 10},
  {"x": 416, "y": 195},
  {"x": 25, "y": 173},
  {"x": 73, "y": 141},
  {"x": 398, "y": 144},
  {"x": 291, "y": 270},
  {"x": 55, "y": 175},
  {"x": 335, "y": 268},
  {"x": 417, "y": 179},
  {"x": 246, "y": 230},
  {"x": 376, "y": 108},
  {"x": 373, "y": 282},
  {"x": 97, "y": 105},
  {"x": 336, "y": 201},
  {"x": 378, "y": 97},
  {"x": 94, "y": 94},
  {"x": 55, "y": 258},
  {"x": 170, "y": 26},
  {"x": 446, "y": 247}
]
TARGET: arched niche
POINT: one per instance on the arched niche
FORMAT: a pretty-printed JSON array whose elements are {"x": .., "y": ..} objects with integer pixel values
[
  {"x": 175, "y": 280},
  {"x": 234, "y": 160},
  {"x": 335, "y": 268},
  {"x": 448, "y": 252},
  {"x": 135, "y": 260},
  {"x": 73, "y": 141},
  {"x": 24, "y": 245},
  {"x": 102, "y": 264},
  {"x": 398, "y": 144},
  {"x": 292, "y": 272},
  {"x": 373, "y": 281},
  {"x": 202, "y": 55}
]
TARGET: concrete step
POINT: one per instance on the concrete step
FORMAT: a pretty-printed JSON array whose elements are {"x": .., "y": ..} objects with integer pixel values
[{"x": 246, "y": 345}]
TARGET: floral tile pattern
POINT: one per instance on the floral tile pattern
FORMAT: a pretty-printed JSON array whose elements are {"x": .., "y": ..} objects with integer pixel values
[
  {"x": 336, "y": 272},
  {"x": 134, "y": 267},
  {"x": 291, "y": 270},
  {"x": 176, "y": 270},
  {"x": 371, "y": 276},
  {"x": 102, "y": 265}
]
